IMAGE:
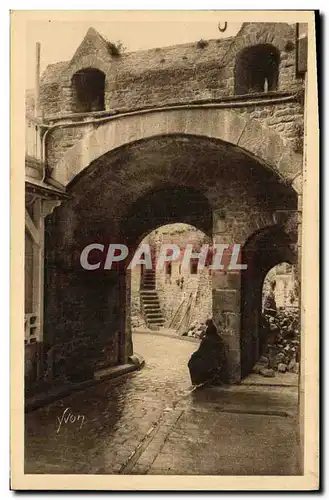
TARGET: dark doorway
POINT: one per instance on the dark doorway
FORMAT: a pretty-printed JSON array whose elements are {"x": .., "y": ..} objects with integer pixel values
[
  {"x": 88, "y": 90},
  {"x": 257, "y": 69},
  {"x": 262, "y": 252}
]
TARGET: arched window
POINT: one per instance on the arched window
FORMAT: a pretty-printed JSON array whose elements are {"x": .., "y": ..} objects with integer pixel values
[
  {"x": 257, "y": 69},
  {"x": 88, "y": 90},
  {"x": 168, "y": 268},
  {"x": 194, "y": 266}
]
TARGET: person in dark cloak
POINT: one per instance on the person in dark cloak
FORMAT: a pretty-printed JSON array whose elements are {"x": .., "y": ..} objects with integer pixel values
[{"x": 209, "y": 362}]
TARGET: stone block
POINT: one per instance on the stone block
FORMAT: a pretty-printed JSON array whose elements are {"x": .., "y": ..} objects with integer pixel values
[
  {"x": 267, "y": 372},
  {"x": 282, "y": 367},
  {"x": 257, "y": 368},
  {"x": 262, "y": 142},
  {"x": 233, "y": 322},
  {"x": 234, "y": 366},
  {"x": 232, "y": 339},
  {"x": 290, "y": 165},
  {"x": 219, "y": 225},
  {"x": 234, "y": 280},
  {"x": 219, "y": 279},
  {"x": 226, "y": 300},
  {"x": 219, "y": 319}
]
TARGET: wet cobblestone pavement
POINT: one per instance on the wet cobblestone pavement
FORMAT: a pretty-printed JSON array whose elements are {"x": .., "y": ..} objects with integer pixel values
[
  {"x": 150, "y": 422},
  {"x": 118, "y": 413}
]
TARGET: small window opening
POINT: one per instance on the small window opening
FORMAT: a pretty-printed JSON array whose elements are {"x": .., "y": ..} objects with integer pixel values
[
  {"x": 88, "y": 90},
  {"x": 257, "y": 70},
  {"x": 168, "y": 268},
  {"x": 194, "y": 266}
]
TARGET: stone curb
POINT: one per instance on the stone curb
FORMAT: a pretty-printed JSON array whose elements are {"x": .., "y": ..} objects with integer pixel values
[{"x": 41, "y": 399}]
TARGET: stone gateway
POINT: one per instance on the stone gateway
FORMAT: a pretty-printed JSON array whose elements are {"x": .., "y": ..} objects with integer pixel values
[{"x": 121, "y": 144}]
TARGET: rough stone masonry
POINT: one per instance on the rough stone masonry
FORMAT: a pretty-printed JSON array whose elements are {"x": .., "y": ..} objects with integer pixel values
[{"x": 196, "y": 134}]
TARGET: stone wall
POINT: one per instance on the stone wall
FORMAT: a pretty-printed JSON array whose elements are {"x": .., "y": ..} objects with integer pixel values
[
  {"x": 173, "y": 289},
  {"x": 162, "y": 76},
  {"x": 216, "y": 188},
  {"x": 62, "y": 139},
  {"x": 195, "y": 72},
  {"x": 178, "y": 286},
  {"x": 198, "y": 72},
  {"x": 285, "y": 290},
  {"x": 72, "y": 147},
  {"x": 132, "y": 159},
  {"x": 137, "y": 318},
  {"x": 287, "y": 119}
]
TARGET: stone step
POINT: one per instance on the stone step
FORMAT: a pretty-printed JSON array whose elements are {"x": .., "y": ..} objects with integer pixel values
[
  {"x": 154, "y": 315},
  {"x": 155, "y": 320},
  {"x": 154, "y": 327},
  {"x": 151, "y": 304}
]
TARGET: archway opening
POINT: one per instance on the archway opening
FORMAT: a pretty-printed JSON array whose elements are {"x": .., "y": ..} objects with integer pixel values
[
  {"x": 280, "y": 325},
  {"x": 88, "y": 87},
  {"x": 174, "y": 298},
  {"x": 266, "y": 253},
  {"x": 129, "y": 192},
  {"x": 257, "y": 69},
  {"x": 173, "y": 214}
]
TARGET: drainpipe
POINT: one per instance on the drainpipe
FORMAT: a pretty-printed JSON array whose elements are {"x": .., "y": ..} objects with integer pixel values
[
  {"x": 37, "y": 81},
  {"x": 236, "y": 102},
  {"x": 39, "y": 139}
]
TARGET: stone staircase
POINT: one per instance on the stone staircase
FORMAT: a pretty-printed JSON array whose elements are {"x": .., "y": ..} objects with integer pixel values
[{"x": 150, "y": 301}]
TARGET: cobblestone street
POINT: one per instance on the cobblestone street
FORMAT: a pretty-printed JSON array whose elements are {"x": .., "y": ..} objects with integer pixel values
[
  {"x": 118, "y": 413},
  {"x": 150, "y": 422}
]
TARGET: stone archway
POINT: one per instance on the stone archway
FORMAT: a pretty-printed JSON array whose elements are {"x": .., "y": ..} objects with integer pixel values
[
  {"x": 263, "y": 250},
  {"x": 218, "y": 123},
  {"x": 216, "y": 186},
  {"x": 168, "y": 205}
]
